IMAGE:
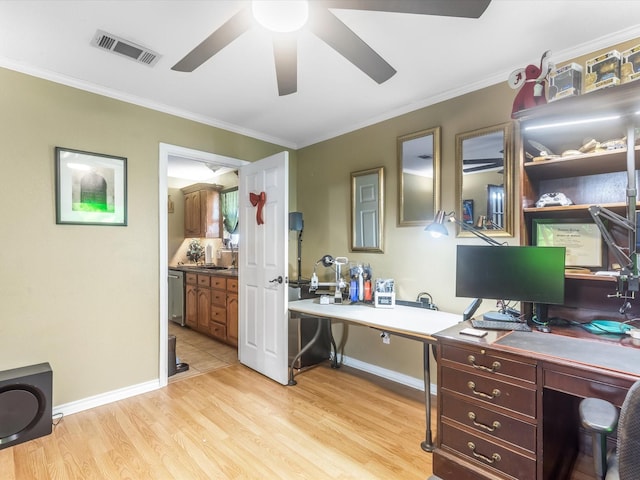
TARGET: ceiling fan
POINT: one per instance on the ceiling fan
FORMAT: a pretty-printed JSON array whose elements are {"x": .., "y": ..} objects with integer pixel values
[{"x": 326, "y": 26}]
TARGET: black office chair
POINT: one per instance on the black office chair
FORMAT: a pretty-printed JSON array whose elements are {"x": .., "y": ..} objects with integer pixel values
[{"x": 600, "y": 418}]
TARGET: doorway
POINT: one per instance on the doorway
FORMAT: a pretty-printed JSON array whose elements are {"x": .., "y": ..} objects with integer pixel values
[{"x": 168, "y": 151}]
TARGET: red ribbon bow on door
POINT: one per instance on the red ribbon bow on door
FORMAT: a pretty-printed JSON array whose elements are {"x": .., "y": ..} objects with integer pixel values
[{"x": 259, "y": 201}]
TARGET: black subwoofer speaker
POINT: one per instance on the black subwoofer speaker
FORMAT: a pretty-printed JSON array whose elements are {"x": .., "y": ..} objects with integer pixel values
[{"x": 25, "y": 404}]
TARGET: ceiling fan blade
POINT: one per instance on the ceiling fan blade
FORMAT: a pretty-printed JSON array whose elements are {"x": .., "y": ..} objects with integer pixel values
[
  {"x": 447, "y": 8},
  {"x": 285, "y": 53},
  {"x": 223, "y": 36},
  {"x": 342, "y": 39},
  {"x": 479, "y": 161}
]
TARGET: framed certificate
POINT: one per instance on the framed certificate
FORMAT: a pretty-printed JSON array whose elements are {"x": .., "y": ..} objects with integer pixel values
[{"x": 582, "y": 240}]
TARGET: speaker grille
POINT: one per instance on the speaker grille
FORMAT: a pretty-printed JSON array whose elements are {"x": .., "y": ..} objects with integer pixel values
[{"x": 25, "y": 404}]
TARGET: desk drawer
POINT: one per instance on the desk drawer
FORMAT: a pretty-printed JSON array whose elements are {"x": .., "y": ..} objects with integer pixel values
[
  {"x": 488, "y": 422},
  {"x": 491, "y": 456},
  {"x": 583, "y": 386},
  {"x": 488, "y": 361},
  {"x": 490, "y": 390}
]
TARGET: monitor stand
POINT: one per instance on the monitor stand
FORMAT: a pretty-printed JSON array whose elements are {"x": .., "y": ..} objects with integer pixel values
[{"x": 499, "y": 317}]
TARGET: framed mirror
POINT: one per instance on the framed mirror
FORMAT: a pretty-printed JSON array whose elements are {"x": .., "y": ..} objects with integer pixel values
[
  {"x": 418, "y": 177},
  {"x": 484, "y": 180},
  {"x": 367, "y": 210}
]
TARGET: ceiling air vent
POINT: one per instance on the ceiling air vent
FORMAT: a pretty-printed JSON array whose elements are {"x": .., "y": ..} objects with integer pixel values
[{"x": 125, "y": 48}]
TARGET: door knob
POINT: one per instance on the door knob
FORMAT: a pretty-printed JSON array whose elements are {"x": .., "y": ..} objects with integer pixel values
[{"x": 277, "y": 279}]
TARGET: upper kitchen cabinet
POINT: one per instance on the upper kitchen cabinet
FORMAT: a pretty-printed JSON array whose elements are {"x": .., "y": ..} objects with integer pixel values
[{"x": 202, "y": 214}]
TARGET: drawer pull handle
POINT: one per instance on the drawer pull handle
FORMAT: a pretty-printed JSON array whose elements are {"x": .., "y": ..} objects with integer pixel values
[
  {"x": 494, "y": 458},
  {"x": 494, "y": 393},
  {"x": 494, "y": 426},
  {"x": 495, "y": 366}
]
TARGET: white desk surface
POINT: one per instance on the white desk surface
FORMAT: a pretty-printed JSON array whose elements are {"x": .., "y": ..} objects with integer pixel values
[{"x": 409, "y": 321}]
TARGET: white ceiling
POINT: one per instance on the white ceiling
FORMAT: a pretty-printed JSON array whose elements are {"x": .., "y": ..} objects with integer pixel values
[{"x": 436, "y": 58}]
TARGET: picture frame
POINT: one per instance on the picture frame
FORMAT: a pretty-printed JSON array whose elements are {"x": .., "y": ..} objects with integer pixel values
[
  {"x": 582, "y": 240},
  {"x": 91, "y": 188}
]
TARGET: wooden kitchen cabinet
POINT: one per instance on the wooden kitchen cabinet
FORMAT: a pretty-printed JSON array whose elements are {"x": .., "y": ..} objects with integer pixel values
[
  {"x": 191, "y": 300},
  {"x": 218, "y": 324},
  {"x": 212, "y": 306},
  {"x": 197, "y": 302},
  {"x": 232, "y": 311},
  {"x": 202, "y": 211}
]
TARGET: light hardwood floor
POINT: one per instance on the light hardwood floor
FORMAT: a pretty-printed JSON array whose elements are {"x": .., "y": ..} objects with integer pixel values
[{"x": 233, "y": 423}]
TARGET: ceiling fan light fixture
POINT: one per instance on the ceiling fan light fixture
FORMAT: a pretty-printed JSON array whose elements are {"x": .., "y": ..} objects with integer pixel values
[{"x": 281, "y": 15}]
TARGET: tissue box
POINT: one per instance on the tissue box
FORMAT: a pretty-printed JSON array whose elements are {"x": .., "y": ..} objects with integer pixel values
[
  {"x": 565, "y": 82},
  {"x": 602, "y": 71},
  {"x": 630, "y": 68}
]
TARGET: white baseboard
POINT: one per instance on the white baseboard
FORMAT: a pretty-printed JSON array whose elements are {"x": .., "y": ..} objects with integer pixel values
[
  {"x": 417, "y": 383},
  {"x": 126, "y": 392},
  {"x": 104, "y": 398}
]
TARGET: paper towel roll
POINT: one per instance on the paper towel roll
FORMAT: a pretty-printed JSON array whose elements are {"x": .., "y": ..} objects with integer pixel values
[{"x": 207, "y": 254}]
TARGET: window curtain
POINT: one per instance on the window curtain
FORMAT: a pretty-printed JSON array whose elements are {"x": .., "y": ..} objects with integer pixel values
[{"x": 230, "y": 211}]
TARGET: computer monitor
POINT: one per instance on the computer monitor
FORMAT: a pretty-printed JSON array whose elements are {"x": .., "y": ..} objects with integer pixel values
[{"x": 518, "y": 273}]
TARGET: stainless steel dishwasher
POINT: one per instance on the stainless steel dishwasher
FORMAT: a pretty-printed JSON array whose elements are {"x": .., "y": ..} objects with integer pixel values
[{"x": 176, "y": 296}]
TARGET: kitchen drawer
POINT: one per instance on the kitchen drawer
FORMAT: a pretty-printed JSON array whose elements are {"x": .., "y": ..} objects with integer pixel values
[
  {"x": 219, "y": 297},
  {"x": 219, "y": 283},
  {"x": 219, "y": 315},
  {"x": 232, "y": 285},
  {"x": 488, "y": 422},
  {"x": 203, "y": 280},
  {"x": 490, "y": 390},
  {"x": 191, "y": 278},
  {"x": 488, "y": 361},
  {"x": 490, "y": 455},
  {"x": 218, "y": 331}
]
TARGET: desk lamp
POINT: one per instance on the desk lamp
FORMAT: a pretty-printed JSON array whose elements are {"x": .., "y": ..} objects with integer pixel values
[{"x": 437, "y": 228}]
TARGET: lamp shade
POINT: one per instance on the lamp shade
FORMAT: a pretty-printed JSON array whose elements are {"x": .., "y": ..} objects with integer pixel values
[{"x": 437, "y": 228}]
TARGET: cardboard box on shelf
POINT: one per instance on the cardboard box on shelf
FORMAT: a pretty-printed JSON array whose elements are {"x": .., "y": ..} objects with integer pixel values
[
  {"x": 602, "y": 71},
  {"x": 565, "y": 82},
  {"x": 630, "y": 68}
]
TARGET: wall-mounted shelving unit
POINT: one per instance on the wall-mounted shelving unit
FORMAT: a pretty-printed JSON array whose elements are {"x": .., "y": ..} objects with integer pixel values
[{"x": 596, "y": 178}]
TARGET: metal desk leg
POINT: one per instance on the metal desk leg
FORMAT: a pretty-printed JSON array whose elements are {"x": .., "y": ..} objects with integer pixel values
[
  {"x": 304, "y": 349},
  {"x": 334, "y": 361},
  {"x": 427, "y": 444}
]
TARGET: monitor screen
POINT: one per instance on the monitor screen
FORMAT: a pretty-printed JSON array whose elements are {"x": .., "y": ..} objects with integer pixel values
[{"x": 523, "y": 274}]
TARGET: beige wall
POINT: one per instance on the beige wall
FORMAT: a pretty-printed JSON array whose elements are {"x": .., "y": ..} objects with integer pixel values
[
  {"x": 85, "y": 298},
  {"x": 417, "y": 262}
]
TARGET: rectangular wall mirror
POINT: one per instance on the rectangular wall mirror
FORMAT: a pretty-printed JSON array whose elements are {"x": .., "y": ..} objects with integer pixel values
[
  {"x": 367, "y": 210},
  {"x": 418, "y": 177},
  {"x": 484, "y": 180}
]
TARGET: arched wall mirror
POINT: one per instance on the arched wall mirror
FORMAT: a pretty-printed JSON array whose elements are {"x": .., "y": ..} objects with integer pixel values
[
  {"x": 484, "y": 181},
  {"x": 367, "y": 210},
  {"x": 418, "y": 177}
]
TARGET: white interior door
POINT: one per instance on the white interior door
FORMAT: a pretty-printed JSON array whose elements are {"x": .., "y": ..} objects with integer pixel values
[{"x": 262, "y": 267}]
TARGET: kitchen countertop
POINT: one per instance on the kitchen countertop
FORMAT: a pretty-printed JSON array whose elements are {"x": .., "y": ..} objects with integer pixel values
[{"x": 227, "y": 272}]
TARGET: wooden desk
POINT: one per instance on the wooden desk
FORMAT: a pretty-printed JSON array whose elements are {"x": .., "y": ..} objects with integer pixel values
[
  {"x": 508, "y": 402},
  {"x": 409, "y": 322}
]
